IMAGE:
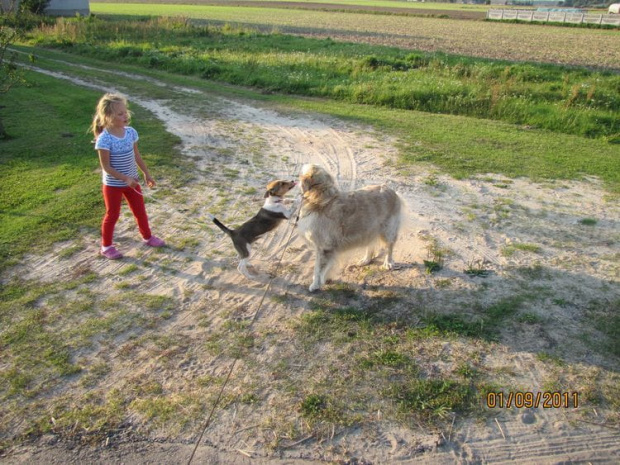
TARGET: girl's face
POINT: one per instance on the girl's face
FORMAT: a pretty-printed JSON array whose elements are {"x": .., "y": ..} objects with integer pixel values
[{"x": 120, "y": 115}]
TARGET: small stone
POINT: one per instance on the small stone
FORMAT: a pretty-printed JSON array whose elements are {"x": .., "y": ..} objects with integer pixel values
[{"x": 528, "y": 418}]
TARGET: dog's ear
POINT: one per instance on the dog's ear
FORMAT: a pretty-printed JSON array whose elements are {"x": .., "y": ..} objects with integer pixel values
[{"x": 273, "y": 191}]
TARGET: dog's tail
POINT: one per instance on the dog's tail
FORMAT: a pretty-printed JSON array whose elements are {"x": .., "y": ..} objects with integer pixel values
[{"x": 220, "y": 225}]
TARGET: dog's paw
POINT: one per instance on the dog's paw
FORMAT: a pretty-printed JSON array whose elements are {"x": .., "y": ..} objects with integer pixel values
[
  {"x": 251, "y": 273},
  {"x": 389, "y": 266},
  {"x": 314, "y": 287}
]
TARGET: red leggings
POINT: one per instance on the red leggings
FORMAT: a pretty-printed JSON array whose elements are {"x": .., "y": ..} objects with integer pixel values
[{"x": 113, "y": 196}]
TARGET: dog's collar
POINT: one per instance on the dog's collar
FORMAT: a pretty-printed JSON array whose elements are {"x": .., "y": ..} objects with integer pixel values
[{"x": 275, "y": 199}]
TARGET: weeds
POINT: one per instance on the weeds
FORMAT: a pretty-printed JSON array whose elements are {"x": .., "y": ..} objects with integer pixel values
[
  {"x": 510, "y": 250},
  {"x": 435, "y": 257},
  {"x": 476, "y": 268},
  {"x": 606, "y": 317},
  {"x": 386, "y": 357},
  {"x": 523, "y": 93},
  {"x": 313, "y": 405},
  {"x": 486, "y": 326},
  {"x": 432, "y": 399}
]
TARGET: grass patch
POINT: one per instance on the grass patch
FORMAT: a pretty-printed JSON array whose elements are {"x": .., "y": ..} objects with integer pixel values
[
  {"x": 433, "y": 399},
  {"x": 38, "y": 346},
  {"x": 510, "y": 250},
  {"x": 477, "y": 269},
  {"x": 458, "y": 145},
  {"x": 387, "y": 358},
  {"x": 487, "y": 325},
  {"x": 462, "y": 147},
  {"x": 380, "y": 359},
  {"x": 328, "y": 321},
  {"x": 49, "y": 179},
  {"x": 313, "y": 405},
  {"x": 432, "y": 266},
  {"x": 435, "y": 257},
  {"x": 606, "y": 317},
  {"x": 543, "y": 96}
]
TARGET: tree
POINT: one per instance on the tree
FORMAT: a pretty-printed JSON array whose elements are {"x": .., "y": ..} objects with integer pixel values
[
  {"x": 10, "y": 31},
  {"x": 8, "y": 6},
  {"x": 36, "y": 7}
]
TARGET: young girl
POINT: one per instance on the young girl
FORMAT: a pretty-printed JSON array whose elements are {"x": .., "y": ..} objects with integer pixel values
[{"x": 117, "y": 145}]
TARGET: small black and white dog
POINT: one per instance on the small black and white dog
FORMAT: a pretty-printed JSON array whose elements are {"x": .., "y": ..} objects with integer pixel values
[{"x": 268, "y": 218}]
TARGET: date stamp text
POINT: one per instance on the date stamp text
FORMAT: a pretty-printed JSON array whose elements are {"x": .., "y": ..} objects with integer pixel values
[{"x": 530, "y": 399}]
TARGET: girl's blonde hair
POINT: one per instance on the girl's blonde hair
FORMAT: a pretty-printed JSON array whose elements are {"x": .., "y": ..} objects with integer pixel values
[{"x": 105, "y": 110}]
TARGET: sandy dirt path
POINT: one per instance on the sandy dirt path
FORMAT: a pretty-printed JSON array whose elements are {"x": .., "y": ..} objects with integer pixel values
[{"x": 238, "y": 146}]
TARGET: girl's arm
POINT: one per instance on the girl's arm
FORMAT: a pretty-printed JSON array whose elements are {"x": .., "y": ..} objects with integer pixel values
[
  {"x": 104, "y": 160},
  {"x": 147, "y": 177}
]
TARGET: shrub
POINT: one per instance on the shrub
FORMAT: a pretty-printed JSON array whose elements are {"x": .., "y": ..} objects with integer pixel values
[{"x": 33, "y": 6}]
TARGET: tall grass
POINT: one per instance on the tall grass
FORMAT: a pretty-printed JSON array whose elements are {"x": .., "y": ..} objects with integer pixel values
[{"x": 554, "y": 98}]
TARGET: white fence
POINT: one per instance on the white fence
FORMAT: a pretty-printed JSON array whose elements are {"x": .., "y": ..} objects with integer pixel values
[{"x": 554, "y": 17}]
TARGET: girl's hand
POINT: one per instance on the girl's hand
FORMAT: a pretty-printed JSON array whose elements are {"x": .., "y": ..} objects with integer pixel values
[
  {"x": 132, "y": 182},
  {"x": 149, "y": 181}
]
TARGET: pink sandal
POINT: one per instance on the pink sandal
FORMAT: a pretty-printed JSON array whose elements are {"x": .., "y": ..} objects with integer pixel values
[
  {"x": 111, "y": 253},
  {"x": 154, "y": 241}
]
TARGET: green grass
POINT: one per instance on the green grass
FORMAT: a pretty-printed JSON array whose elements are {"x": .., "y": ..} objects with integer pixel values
[
  {"x": 543, "y": 96},
  {"x": 606, "y": 317},
  {"x": 433, "y": 399},
  {"x": 458, "y": 144},
  {"x": 486, "y": 325},
  {"x": 476, "y": 268},
  {"x": 46, "y": 171},
  {"x": 49, "y": 183},
  {"x": 464, "y": 146},
  {"x": 385, "y": 357},
  {"x": 510, "y": 250},
  {"x": 220, "y": 12},
  {"x": 583, "y": 47}
]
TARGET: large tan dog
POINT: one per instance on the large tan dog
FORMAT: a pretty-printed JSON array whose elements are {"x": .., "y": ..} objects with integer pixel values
[{"x": 335, "y": 221}]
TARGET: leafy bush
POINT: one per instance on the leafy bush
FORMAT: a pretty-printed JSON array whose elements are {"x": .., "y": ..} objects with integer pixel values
[{"x": 33, "y": 6}]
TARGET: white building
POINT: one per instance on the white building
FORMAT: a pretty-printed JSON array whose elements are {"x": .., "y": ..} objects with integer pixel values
[{"x": 68, "y": 7}]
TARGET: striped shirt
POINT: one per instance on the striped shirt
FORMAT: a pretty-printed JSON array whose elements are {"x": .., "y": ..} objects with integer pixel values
[{"x": 122, "y": 156}]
